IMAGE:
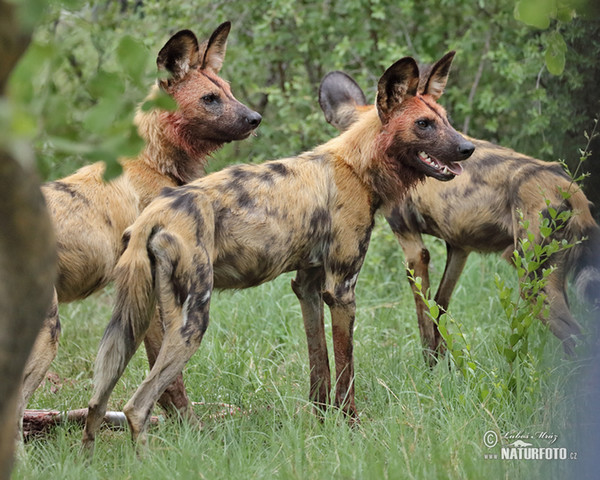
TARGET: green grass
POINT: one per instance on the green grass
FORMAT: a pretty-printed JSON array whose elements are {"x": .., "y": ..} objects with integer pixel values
[{"x": 415, "y": 422}]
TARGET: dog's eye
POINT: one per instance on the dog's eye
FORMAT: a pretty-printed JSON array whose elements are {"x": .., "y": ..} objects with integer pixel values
[
  {"x": 423, "y": 123},
  {"x": 210, "y": 98}
]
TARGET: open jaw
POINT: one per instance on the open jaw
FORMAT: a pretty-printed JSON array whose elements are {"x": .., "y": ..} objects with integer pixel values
[{"x": 436, "y": 168}]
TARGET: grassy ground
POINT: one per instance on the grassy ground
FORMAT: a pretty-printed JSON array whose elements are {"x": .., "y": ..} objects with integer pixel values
[{"x": 416, "y": 422}]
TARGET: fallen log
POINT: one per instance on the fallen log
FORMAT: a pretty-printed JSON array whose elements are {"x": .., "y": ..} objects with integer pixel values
[{"x": 39, "y": 422}]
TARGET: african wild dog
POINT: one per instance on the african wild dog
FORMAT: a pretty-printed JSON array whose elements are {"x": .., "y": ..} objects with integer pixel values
[
  {"x": 248, "y": 224},
  {"x": 478, "y": 212},
  {"x": 90, "y": 215}
]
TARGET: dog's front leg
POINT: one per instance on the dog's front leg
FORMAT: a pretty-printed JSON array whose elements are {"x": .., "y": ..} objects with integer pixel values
[
  {"x": 341, "y": 301},
  {"x": 308, "y": 287}
]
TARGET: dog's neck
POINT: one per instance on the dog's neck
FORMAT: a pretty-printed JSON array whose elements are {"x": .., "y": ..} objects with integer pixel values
[
  {"x": 360, "y": 148},
  {"x": 168, "y": 150}
]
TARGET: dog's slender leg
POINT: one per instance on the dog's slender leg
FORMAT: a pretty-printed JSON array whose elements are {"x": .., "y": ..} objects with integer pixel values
[
  {"x": 339, "y": 296},
  {"x": 116, "y": 349},
  {"x": 177, "y": 348},
  {"x": 184, "y": 282},
  {"x": 174, "y": 400},
  {"x": 559, "y": 318},
  {"x": 417, "y": 260},
  {"x": 41, "y": 356},
  {"x": 308, "y": 287},
  {"x": 342, "y": 318},
  {"x": 455, "y": 263}
]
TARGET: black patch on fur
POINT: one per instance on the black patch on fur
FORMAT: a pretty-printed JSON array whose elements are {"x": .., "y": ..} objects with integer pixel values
[
  {"x": 405, "y": 217},
  {"x": 65, "y": 188},
  {"x": 123, "y": 329},
  {"x": 244, "y": 199},
  {"x": 198, "y": 308},
  {"x": 125, "y": 240},
  {"x": 168, "y": 192},
  {"x": 278, "y": 168},
  {"x": 266, "y": 177},
  {"x": 55, "y": 328},
  {"x": 185, "y": 202},
  {"x": 151, "y": 257},
  {"x": 240, "y": 173},
  {"x": 320, "y": 222}
]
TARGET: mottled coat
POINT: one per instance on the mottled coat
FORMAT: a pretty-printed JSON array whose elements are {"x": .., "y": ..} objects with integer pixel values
[
  {"x": 89, "y": 214},
  {"x": 247, "y": 224},
  {"x": 479, "y": 212}
]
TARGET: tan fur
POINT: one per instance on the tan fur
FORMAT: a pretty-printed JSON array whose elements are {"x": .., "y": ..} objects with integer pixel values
[
  {"x": 89, "y": 214},
  {"x": 478, "y": 211},
  {"x": 496, "y": 184},
  {"x": 248, "y": 224}
]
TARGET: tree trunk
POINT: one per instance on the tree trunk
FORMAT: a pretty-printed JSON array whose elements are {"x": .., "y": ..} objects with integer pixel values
[{"x": 27, "y": 252}]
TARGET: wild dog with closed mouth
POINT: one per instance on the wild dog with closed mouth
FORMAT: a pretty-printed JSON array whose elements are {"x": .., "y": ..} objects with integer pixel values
[
  {"x": 247, "y": 224},
  {"x": 479, "y": 212},
  {"x": 90, "y": 215}
]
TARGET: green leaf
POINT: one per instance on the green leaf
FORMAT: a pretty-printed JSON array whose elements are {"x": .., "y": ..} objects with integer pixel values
[
  {"x": 112, "y": 170},
  {"x": 534, "y": 13},
  {"x": 161, "y": 101},
  {"x": 510, "y": 355},
  {"x": 100, "y": 117},
  {"x": 555, "y": 53},
  {"x": 132, "y": 57},
  {"x": 106, "y": 84}
]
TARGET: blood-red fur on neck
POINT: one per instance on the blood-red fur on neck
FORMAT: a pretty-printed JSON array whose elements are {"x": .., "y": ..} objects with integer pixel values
[
  {"x": 183, "y": 152},
  {"x": 394, "y": 175}
]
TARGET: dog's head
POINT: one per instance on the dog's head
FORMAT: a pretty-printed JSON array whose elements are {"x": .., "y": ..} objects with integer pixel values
[
  {"x": 415, "y": 133},
  {"x": 206, "y": 108}
]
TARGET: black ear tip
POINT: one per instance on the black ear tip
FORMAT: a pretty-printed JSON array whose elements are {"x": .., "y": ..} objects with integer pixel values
[
  {"x": 225, "y": 27},
  {"x": 450, "y": 55},
  {"x": 183, "y": 33}
]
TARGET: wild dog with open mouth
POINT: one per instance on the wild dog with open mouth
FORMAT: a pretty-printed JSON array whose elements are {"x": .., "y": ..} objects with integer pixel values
[
  {"x": 89, "y": 215},
  {"x": 478, "y": 212},
  {"x": 247, "y": 224}
]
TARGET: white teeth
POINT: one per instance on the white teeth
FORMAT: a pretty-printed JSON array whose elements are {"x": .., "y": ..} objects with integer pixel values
[{"x": 427, "y": 159}]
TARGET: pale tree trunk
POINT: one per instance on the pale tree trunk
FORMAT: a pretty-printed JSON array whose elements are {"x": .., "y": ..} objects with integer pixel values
[{"x": 27, "y": 252}]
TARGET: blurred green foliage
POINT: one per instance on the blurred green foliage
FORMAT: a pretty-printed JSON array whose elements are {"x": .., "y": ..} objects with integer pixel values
[{"x": 91, "y": 63}]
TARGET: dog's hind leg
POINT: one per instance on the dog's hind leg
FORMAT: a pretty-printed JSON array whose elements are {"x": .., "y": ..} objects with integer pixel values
[
  {"x": 559, "y": 318},
  {"x": 184, "y": 297},
  {"x": 183, "y": 283},
  {"x": 455, "y": 263},
  {"x": 417, "y": 260},
  {"x": 308, "y": 287},
  {"x": 41, "y": 356},
  {"x": 130, "y": 320},
  {"x": 174, "y": 400}
]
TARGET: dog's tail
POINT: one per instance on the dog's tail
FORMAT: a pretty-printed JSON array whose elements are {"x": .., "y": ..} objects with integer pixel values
[{"x": 135, "y": 303}]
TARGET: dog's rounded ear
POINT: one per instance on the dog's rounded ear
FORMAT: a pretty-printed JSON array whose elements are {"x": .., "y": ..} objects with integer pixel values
[
  {"x": 438, "y": 76},
  {"x": 339, "y": 95},
  {"x": 214, "y": 51},
  {"x": 399, "y": 82},
  {"x": 177, "y": 57}
]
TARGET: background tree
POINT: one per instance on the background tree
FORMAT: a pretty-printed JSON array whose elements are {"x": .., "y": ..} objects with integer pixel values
[
  {"x": 89, "y": 65},
  {"x": 27, "y": 256}
]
